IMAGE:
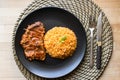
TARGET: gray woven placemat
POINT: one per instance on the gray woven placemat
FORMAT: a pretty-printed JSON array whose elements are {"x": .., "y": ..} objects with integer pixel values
[{"x": 82, "y": 9}]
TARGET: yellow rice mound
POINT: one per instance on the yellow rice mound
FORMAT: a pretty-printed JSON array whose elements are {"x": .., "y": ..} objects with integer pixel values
[{"x": 60, "y": 42}]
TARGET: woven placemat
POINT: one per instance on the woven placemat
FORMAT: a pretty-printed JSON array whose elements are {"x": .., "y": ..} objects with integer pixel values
[{"x": 82, "y": 9}]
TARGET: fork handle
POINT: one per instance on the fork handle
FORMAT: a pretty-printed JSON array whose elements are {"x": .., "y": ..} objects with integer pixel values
[{"x": 91, "y": 52}]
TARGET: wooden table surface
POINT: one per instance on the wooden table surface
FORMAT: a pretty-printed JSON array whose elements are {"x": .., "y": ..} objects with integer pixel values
[{"x": 11, "y": 9}]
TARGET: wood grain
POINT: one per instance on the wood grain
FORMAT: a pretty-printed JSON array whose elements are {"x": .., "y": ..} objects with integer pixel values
[{"x": 11, "y": 9}]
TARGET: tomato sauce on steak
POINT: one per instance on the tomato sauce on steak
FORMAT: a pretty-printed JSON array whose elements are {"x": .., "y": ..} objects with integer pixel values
[{"x": 33, "y": 41}]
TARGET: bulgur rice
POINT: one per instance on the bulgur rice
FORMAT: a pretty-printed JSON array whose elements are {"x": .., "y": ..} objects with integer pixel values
[{"x": 60, "y": 42}]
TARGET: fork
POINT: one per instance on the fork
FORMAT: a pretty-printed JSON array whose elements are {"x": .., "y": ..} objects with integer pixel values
[{"x": 92, "y": 25}]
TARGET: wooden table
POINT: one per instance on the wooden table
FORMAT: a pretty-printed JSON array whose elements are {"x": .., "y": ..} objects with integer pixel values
[{"x": 11, "y": 9}]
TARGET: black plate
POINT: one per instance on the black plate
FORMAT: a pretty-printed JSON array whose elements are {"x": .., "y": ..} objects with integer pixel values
[{"x": 52, "y": 68}]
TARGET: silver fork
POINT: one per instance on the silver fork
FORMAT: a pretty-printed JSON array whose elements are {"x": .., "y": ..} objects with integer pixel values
[{"x": 92, "y": 25}]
